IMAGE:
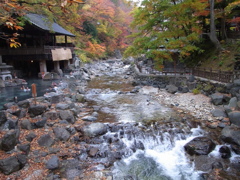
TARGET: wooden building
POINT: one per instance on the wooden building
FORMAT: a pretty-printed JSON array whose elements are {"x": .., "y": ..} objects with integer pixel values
[{"x": 40, "y": 51}]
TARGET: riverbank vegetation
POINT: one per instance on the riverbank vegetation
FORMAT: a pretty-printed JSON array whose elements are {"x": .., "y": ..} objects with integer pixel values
[
  {"x": 100, "y": 26},
  {"x": 190, "y": 29},
  {"x": 199, "y": 32}
]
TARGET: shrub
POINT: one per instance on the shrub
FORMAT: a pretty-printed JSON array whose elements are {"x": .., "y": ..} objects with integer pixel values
[{"x": 196, "y": 91}]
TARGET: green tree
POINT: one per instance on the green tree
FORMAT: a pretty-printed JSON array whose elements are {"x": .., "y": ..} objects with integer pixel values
[{"x": 166, "y": 28}]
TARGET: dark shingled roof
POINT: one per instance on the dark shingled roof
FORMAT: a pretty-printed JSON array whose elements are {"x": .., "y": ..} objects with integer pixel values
[{"x": 42, "y": 22}]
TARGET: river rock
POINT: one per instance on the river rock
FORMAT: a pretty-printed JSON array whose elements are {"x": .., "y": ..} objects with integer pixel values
[
  {"x": 94, "y": 129},
  {"x": 219, "y": 98},
  {"x": 80, "y": 98},
  {"x": 12, "y": 164},
  {"x": 9, "y": 140},
  {"x": 56, "y": 98},
  {"x": 20, "y": 113},
  {"x": 219, "y": 113},
  {"x": 93, "y": 151},
  {"x": 46, "y": 140},
  {"x": 71, "y": 169},
  {"x": 89, "y": 118},
  {"x": 26, "y": 124},
  {"x": 235, "y": 148},
  {"x": 35, "y": 110},
  {"x": 62, "y": 106},
  {"x": 171, "y": 89},
  {"x": 12, "y": 123},
  {"x": 231, "y": 134},
  {"x": 225, "y": 152},
  {"x": 191, "y": 78},
  {"x": 234, "y": 118},
  {"x": 233, "y": 103},
  {"x": 236, "y": 82},
  {"x": 53, "y": 163},
  {"x": 199, "y": 146},
  {"x": 61, "y": 133},
  {"x": 24, "y": 147},
  {"x": 52, "y": 115},
  {"x": 9, "y": 105},
  {"x": 40, "y": 122},
  {"x": 67, "y": 115},
  {"x": 30, "y": 136},
  {"x": 3, "y": 117},
  {"x": 24, "y": 104}
]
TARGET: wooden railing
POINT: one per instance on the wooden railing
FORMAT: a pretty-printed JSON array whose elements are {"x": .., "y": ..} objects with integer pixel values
[
  {"x": 31, "y": 50},
  {"x": 216, "y": 75},
  {"x": 221, "y": 76}
]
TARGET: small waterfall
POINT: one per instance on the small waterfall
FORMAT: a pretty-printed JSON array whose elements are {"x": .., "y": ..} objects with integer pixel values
[{"x": 157, "y": 155}]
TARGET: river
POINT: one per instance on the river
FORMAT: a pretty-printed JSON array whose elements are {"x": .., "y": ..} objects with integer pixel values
[
  {"x": 154, "y": 153},
  {"x": 152, "y": 136},
  {"x": 144, "y": 139}
]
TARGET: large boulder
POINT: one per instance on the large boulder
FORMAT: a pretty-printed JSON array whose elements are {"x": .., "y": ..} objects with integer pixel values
[
  {"x": 171, "y": 89},
  {"x": 46, "y": 140},
  {"x": 53, "y": 163},
  {"x": 35, "y": 110},
  {"x": 26, "y": 124},
  {"x": 234, "y": 118},
  {"x": 199, "y": 146},
  {"x": 54, "y": 97},
  {"x": 12, "y": 164},
  {"x": 67, "y": 115},
  {"x": 233, "y": 103},
  {"x": 219, "y": 113},
  {"x": 219, "y": 99},
  {"x": 39, "y": 122},
  {"x": 52, "y": 115},
  {"x": 61, "y": 133},
  {"x": 231, "y": 134},
  {"x": 9, "y": 140},
  {"x": 94, "y": 129},
  {"x": 23, "y": 104}
]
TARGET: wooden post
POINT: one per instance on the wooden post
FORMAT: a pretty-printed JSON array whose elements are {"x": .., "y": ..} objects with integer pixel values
[
  {"x": 34, "y": 92},
  {"x": 219, "y": 76}
]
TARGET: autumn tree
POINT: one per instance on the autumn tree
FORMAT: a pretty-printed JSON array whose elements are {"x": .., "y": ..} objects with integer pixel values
[
  {"x": 107, "y": 21},
  {"x": 166, "y": 28},
  {"x": 11, "y": 12}
]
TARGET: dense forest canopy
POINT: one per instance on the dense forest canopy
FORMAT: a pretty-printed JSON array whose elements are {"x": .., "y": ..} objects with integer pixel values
[
  {"x": 159, "y": 28},
  {"x": 100, "y": 26},
  {"x": 167, "y": 27}
]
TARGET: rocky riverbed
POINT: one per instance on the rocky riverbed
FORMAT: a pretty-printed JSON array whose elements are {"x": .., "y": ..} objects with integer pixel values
[{"x": 62, "y": 135}]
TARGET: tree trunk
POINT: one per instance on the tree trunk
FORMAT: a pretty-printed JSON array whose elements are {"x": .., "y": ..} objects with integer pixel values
[
  {"x": 212, "y": 35},
  {"x": 223, "y": 26}
]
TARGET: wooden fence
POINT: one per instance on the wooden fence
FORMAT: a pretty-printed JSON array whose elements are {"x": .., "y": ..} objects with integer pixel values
[{"x": 216, "y": 75}]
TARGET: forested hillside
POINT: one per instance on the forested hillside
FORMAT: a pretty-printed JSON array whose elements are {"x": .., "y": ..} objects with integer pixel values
[
  {"x": 157, "y": 28},
  {"x": 187, "y": 28},
  {"x": 100, "y": 26}
]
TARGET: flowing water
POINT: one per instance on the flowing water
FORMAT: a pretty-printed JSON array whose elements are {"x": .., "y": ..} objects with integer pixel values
[
  {"x": 163, "y": 158},
  {"x": 158, "y": 152}
]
